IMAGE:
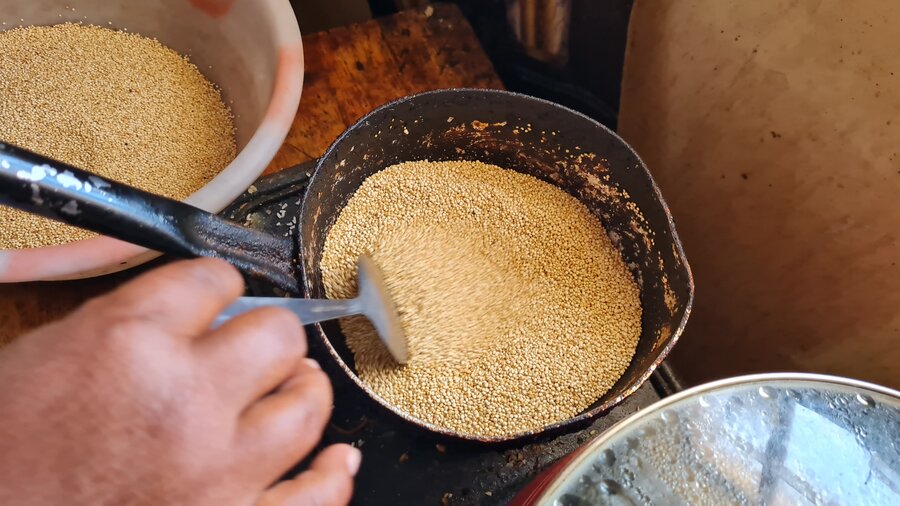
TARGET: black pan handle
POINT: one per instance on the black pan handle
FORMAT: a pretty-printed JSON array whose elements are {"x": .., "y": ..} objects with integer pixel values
[{"x": 40, "y": 185}]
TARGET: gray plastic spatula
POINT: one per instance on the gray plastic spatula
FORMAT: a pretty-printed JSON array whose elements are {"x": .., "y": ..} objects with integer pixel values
[{"x": 373, "y": 302}]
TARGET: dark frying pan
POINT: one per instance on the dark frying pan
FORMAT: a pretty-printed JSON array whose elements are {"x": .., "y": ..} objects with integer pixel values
[
  {"x": 533, "y": 136},
  {"x": 553, "y": 143}
]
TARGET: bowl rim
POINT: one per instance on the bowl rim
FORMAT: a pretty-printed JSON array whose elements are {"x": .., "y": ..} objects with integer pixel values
[
  {"x": 556, "y": 426},
  {"x": 101, "y": 255}
]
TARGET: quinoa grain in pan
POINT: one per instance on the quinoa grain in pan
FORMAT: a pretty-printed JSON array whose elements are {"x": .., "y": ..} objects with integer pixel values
[{"x": 518, "y": 309}]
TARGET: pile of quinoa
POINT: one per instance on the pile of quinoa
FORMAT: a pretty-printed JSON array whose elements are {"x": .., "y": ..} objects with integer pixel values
[
  {"x": 518, "y": 310},
  {"x": 112, "y": 102}
]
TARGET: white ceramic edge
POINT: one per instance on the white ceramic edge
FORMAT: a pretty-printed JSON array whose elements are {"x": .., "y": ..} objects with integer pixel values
[
  {"x": 584, "y": 453},
  {"x": 212, "y": 197},
  {"x": 270, "y": 135}
]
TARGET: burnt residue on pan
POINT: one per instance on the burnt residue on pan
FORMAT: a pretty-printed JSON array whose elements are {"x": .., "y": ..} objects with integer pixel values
[{"x": 532, "y": 136}]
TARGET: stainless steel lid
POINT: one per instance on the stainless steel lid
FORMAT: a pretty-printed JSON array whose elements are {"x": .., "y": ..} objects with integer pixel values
[{"x": 761, "y": 439}]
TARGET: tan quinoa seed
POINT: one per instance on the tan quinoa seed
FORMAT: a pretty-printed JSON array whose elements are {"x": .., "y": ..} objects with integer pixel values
[
  {"x": 116, "y": 103},
  {"x": 518, "y": 309}
]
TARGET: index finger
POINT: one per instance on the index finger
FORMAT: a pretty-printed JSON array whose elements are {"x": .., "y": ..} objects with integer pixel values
[{"x": 181, "y": 298}]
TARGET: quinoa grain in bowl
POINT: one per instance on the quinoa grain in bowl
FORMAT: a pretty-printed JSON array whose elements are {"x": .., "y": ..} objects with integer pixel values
[
  {"x": 112, "y": 102},
  {"x": 249, "y": 53}
]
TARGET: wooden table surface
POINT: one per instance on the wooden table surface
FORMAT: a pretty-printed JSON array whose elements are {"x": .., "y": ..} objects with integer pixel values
[{"x": 349, "y": 71}]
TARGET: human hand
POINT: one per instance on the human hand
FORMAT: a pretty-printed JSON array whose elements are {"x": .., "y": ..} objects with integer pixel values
[{"x": 133, "y": 400}]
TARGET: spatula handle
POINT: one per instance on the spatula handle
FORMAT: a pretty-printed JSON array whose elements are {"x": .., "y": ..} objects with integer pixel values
[
  {"x": 308, "y": 310},
  {"x": 58, "y": 191}
]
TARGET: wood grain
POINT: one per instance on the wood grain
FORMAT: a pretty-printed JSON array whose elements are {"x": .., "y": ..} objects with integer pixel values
[
  {"x": 772, "y": 128},
  {"x": 454, "y": 44},
  {"x": 349, "y": 71},
  {"x": 25, "y": 306},
  {"x": 352, "y": 70}
]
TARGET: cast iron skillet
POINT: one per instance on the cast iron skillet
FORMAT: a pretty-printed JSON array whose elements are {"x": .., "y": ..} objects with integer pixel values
[
  {"x": 536, "y": 137},
  {"x": 526, "y": 134}
]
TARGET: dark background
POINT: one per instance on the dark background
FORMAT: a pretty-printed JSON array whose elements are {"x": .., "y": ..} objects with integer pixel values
[{"x": 589, "y": 81}]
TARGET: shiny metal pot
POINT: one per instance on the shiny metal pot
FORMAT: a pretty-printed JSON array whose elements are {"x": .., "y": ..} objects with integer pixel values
[{"x": 760, "y": 439}]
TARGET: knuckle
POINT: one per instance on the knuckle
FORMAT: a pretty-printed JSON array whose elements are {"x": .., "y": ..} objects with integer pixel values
[
  {"x": 166, "y": 420},
  {"x": 317, "y": 390},
  {"x": 283, "y": 326},
  {"x": 98, "y": 312},
  {"x": 121, "y": 326},
  {"x": 321, "y": 382},
  {"x": 123, "y": 333},
  {"x": 281, "y": 318},
  {"x": 179, "y": 415},
  {"x": 213, "y": 273},
  {"x": 205, "y": 272}
]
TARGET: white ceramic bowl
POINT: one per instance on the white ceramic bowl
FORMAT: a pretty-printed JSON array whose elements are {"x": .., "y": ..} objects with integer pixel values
[{"x": 250, "y": 48}]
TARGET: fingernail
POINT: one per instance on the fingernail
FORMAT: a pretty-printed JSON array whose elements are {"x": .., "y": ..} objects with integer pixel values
[
  {"x": 312, "y": 363},
  {"x": 354, "y": 459}
]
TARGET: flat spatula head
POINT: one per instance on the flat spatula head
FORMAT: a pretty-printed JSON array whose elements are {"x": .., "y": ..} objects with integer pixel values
[{"x": 379, "y": 308}]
